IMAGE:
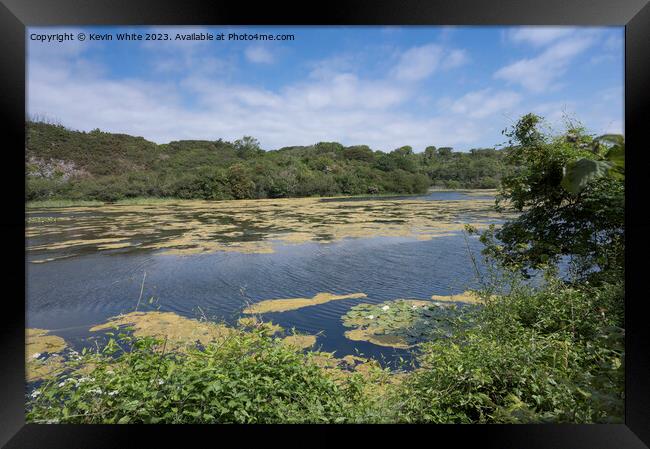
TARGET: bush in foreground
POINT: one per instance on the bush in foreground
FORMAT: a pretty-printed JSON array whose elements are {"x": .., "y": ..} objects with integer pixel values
[
  {"x": 247, "y": 378},
  {"x": 554, "y": 355},
  {"x": 548, "y": 355}
]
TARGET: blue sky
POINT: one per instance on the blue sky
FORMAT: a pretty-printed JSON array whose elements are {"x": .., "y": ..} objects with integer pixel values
[{"x": 381, "y": 86}]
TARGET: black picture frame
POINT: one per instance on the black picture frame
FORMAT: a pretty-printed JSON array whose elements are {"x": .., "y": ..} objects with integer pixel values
[{"x": 15, "y": 15}]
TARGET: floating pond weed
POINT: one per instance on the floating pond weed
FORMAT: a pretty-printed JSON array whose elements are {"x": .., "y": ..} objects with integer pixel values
[
  {"x": 283, "y": 305},
  {"x": 402, "y": 323},
  {"x": 43, "y": 357},
  {"x": 185, "y": 227}
]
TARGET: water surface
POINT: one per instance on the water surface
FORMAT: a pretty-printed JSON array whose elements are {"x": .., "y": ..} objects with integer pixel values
[{"x": 212, "y": 259}]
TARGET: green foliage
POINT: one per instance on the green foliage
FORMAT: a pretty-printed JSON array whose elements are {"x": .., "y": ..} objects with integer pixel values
[
  {"x": 445, "y": 152},
  {"x": 610, "y": 149},
  {"x": 578, "y": 174},
  {"x": 570, "y": 202},
  {"x": 65, "y": 164},
  {"x": 247, "y": 147},
  {"x": 248, "y": 378},
  {"x": 554, "y": 355},
  {"x": 359, "y": 153}
]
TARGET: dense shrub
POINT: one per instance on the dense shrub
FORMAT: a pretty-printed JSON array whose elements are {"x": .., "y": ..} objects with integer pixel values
[
  {"x": 554, "y": 355},
  {"x": 568, "y": 191},
  {"x": 109, "y": 167},
  {"x": 248, "y": 378}
]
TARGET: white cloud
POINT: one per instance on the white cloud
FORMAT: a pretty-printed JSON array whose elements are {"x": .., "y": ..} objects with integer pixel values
[
  {"x": 345, "y": 107},
  {"x": 556, "y": 113},
  {"x": 612, "y": 51},
  {"x": 418, "y": 62},
  {"x": 336, "y": 99},
  {"x": 346, "y": 91},
  {"x": 455, "y": 58},
  {"x": 538, "y": 35},
  {"x": 541, "y": 72},
  {"x": 179, "y": 56},
  {"x": 614, "y": 126},
  {"x": 328, "y": 67},
  {"x": 259, "y": 55},
  {"x": 483, "y": 103}
]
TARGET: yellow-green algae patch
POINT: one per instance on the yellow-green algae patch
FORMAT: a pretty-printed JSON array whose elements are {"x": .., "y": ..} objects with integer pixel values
[
  {"x": 466, "y": 297},
  {"x": 368, "y": 335},
  {"x": 250, "y": 226},
  {"x": 300, "y": 341},
  {"x": 282, "y": 305},
  {"x": 198, "y": 247},
  {"x": 482, "y": 192},
  {"x": 178, "y": 331},
  {"x": 114, "y": 245},
  {"x": 38, "y": 342},
  {"x": 50, "y": 259}
]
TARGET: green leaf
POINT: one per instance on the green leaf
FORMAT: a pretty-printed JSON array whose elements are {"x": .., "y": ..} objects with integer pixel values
[
  {"x": 616, "y": 155},
  {"x": 615, "y": 139},
  {"x": 578, "y": 174},
  {"x": 124, "y": 420}
]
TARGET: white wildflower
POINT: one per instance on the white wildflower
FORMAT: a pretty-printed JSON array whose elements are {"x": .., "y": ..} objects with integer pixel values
[
  {"x": 160, "y": 382},
  {"x": 385, "y": 308},
  {"x": 112, "y": 393},
  {"x": 35, "y": 393},
  {"x": 370, "y": 317},
  {"x": 66, "y": 381}
]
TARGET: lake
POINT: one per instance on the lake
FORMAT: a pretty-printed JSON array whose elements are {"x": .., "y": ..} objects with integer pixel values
[{"x": 214, "y": 259}]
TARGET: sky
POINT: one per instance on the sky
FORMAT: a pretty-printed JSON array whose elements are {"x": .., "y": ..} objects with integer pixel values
[{"x": 385, "y": 87}]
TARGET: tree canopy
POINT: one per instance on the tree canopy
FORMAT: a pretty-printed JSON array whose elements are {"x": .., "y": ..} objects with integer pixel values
[
  {"x": 66, "y": 164},
  {"x": 569, "y": 191}
]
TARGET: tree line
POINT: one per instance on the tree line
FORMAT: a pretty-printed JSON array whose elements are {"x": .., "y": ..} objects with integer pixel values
[{"x": 96, "y": 165}]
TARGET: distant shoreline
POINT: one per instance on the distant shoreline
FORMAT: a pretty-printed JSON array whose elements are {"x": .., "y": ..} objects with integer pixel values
[{"x": 55, "y": 203}]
